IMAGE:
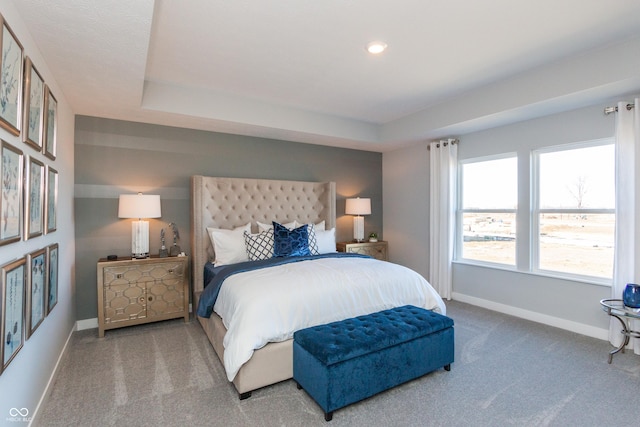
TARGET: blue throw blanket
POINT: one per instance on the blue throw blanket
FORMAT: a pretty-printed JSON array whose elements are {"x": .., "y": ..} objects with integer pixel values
[{"x": 213, "y": 284}]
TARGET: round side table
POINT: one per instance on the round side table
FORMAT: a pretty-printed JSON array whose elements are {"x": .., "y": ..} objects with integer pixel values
[{"x": 617, "y": 309}]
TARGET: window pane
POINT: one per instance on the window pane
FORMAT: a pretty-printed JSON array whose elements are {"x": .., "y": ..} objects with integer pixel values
[
  {"x": 577, "y": 244},
  {"x": 579, "y": 178},
  {"x": 489, "y": 237},
  {"x": 491, "y": 184}
]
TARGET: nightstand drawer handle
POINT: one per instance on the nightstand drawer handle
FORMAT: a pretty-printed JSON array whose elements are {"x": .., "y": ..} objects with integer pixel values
[
  {"x": 119, "y": 276},
  {"x": 171, "y": 270},
  {"x": 150, "y": 298}
]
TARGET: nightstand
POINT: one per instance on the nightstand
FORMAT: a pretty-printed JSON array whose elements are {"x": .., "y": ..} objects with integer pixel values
[
  {"x": 378, "y": 250},
  {"x": 137, "y": 291}
]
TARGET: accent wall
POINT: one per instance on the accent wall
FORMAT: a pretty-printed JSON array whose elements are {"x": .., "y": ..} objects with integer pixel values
[{"x": 116, "y": 157}]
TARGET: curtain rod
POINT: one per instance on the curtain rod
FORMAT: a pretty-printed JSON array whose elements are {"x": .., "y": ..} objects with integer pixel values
[
  {"x": 444, "y": 143},
  {"x": 609, "y": 110}
]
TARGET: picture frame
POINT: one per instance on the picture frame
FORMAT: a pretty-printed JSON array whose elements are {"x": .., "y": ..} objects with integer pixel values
[
  {"x": 11, "y": 68},
  {"x": 33, "y": 100},
  {"x": 34, "y": 198},
  {"x": 11, "y": 168},
  {"x": 12, "y": 310},
  {"x": 51, "y": 201},
  {"x": 36, "y": 275},
  {"x": 52, "y": 277},
  {"x": 50, "y": 124}
]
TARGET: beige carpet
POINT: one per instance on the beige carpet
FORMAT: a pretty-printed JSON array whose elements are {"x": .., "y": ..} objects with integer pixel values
[{"x": 507, "y": 372}]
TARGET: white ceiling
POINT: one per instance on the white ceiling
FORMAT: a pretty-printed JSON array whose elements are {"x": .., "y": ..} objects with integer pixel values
[{"x": 298, "y": 70}]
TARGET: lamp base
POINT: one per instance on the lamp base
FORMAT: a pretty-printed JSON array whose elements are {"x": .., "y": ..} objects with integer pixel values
[
  {"x": 358, "y": 228},
  {"x": 140, "y": 239}
]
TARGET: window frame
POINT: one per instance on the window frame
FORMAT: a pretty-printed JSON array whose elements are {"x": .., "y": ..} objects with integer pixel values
[
  {"x": 460, "y": 211},
  {"x": 536, "y": 211}
]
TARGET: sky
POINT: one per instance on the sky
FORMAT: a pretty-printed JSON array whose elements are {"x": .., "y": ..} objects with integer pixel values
[{"x": 493, "y": 184}]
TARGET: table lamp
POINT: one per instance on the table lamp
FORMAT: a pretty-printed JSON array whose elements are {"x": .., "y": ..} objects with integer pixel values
[
  {"x": 139, "y": 206},
  {"x": 358, "y": 207}
]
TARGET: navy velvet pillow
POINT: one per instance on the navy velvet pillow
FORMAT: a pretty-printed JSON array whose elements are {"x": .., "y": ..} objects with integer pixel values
[{"x": 290, "y": 242}]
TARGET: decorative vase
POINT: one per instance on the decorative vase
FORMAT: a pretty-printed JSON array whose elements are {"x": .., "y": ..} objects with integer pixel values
[{"x": 631, "y": 295}]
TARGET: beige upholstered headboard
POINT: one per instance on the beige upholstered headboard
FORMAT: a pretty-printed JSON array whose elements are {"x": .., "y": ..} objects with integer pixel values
[{"x": 232, "y": 202}]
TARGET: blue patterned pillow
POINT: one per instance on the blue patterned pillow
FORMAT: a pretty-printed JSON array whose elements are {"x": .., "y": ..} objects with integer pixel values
[{"x": 290, "y": 242}]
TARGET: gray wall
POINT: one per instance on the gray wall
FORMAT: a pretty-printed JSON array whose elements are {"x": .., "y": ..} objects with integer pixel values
[
  {"x": 406, "y": 206},
  {"x": 115, "y": 157},
  {"x": 569, "y": 304},
  {"x": 570, "y": 300}
]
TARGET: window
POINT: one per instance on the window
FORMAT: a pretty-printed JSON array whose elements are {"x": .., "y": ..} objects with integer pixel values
[
  {"x": 566, "y": 219},
  {"x": 574, "y": 209},
  {"x": 487, "y": 210}
]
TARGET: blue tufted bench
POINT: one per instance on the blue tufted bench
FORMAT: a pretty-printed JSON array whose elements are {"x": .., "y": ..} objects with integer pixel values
[{"x": 346, "y": 361}]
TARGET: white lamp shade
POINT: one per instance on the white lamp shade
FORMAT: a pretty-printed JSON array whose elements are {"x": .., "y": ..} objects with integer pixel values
[
  {"x": 139, "y": 206},
  {"x": 358, "y": 206}
]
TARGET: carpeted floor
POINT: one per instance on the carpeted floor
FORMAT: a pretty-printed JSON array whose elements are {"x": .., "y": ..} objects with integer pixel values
[{"x": 507, "y": 372}]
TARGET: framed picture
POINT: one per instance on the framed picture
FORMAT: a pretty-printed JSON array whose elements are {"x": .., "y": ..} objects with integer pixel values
[
  {"x": 50, "y": 124},
  {"x": 33, "y": 103},
  {"x": 52, "y": 277},
  {"x": 12, "y": 321},
  {"x": 51, "y": 213},
  {"x": 10, "y": 193},
  {"x": 34, "y": 198},
  {"x": 10, "y": 80},
  {"x": 36, "y": 274}
]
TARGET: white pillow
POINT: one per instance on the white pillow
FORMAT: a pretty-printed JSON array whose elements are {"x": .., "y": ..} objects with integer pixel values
[
  {"x": 264, "y": 227},
  {"x": 319, "y": 226},
  {"x": 326, "y": 241},
  {"x": 229, "y": 245}
]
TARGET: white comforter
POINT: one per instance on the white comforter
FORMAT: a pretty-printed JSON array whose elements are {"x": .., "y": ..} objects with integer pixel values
[{"x": 270, "y": 304}]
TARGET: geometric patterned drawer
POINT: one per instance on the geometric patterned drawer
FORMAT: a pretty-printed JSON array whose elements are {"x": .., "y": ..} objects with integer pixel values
[
  {"x": 136, "y": 291},
  {"x": 377, "y": 250},
  {"x": 164, "y": 298},
  {"x": 124, "y": 302}
]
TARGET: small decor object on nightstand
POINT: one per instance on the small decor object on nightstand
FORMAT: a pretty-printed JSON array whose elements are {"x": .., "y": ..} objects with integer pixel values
[
  {"x": 175, "y": 249},
  {"x": 373, "y": 237},
  {"x": 163, "y": 253}
]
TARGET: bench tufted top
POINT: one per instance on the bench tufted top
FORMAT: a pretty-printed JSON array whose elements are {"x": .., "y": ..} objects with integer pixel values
[{"x": 349, "y": 338}]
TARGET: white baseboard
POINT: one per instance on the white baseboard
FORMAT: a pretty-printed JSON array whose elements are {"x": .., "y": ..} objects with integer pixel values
[
  {"x": 568, "y": 325},
  {"x": 47, "y": 389},
  {"x": 86, "y": 324},
  {"x": 93, "y": 323}
]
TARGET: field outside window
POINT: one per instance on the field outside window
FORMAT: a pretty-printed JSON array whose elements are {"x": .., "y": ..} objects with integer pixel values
[
  {"x": 575, "y": 216},
  {"x": 487, "y": 219}
]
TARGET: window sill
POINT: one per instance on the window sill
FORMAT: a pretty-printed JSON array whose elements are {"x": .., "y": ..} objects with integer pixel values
[{"x": 549, "y": 274}]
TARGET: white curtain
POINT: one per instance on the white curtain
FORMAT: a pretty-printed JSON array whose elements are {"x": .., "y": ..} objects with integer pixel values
[
  {"x": 627, "y": 208},
  {"x": 443, "y": 174}
]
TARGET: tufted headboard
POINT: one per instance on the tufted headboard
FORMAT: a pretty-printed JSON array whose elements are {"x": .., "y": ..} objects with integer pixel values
[{"x": 232, "y": 202}]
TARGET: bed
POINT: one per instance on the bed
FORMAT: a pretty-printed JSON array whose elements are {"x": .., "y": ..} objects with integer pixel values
[{"x": 230, "y": 203}]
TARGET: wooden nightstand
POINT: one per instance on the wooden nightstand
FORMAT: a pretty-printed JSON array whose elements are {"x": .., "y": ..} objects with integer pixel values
[
  {"x": 137, "y": 291},
  {"x": 378, "y": 250}
]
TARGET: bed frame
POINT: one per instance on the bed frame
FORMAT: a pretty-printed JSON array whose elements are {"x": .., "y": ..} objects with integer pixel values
[{"x": 232, "y": 202}]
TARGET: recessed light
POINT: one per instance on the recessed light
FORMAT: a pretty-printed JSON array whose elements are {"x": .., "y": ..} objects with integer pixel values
[{"x": 376, "y": 47}]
